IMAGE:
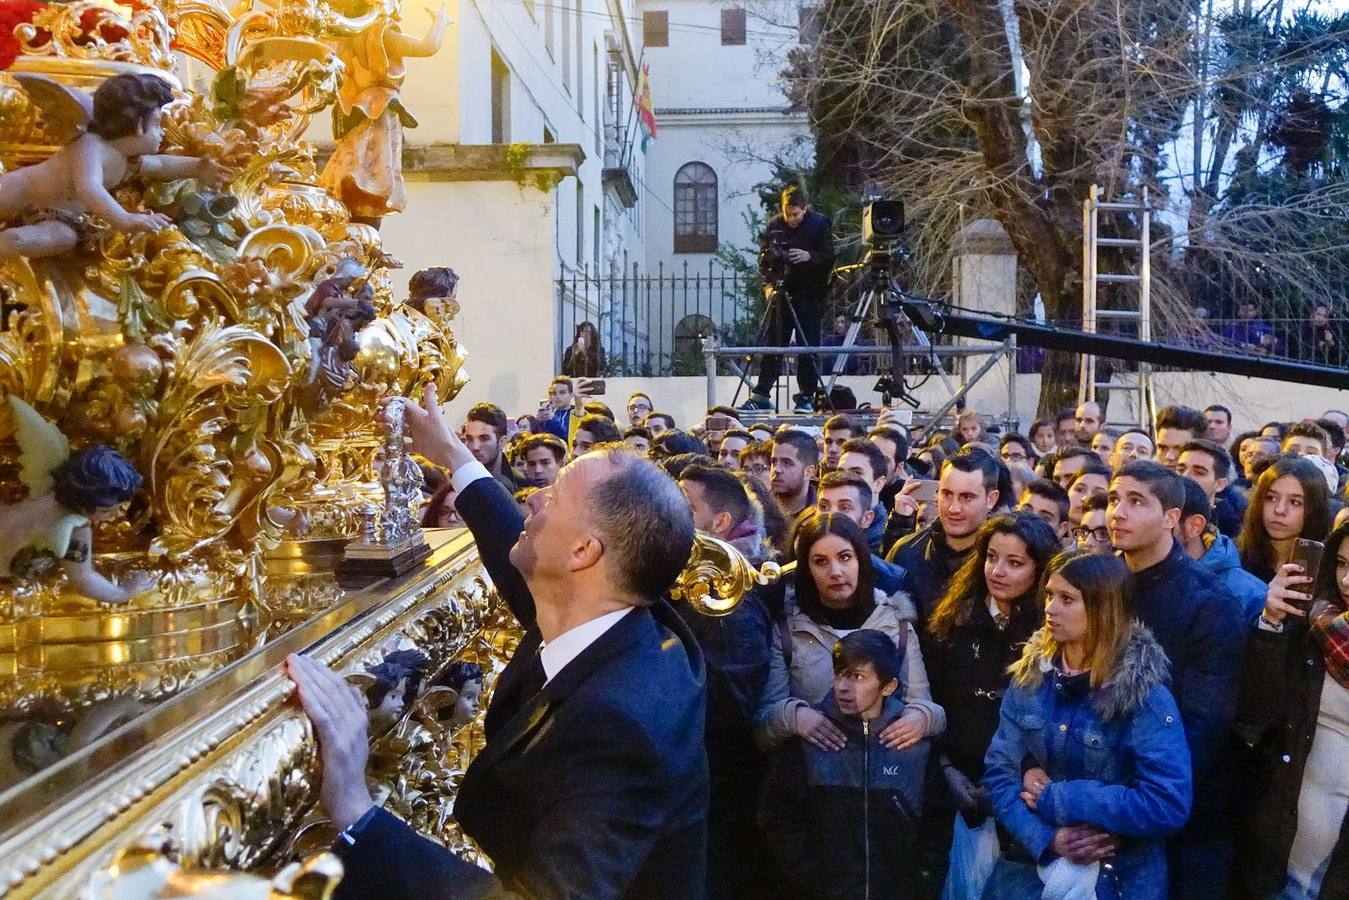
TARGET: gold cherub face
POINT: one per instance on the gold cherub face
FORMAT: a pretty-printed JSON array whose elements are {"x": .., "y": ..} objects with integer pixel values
[{"x": 441, "y": 309}]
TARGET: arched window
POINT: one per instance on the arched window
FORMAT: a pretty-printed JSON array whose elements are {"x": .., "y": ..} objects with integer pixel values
[
  {"x": 695, "y": 209},
  {"x": 690, "y": 334}
]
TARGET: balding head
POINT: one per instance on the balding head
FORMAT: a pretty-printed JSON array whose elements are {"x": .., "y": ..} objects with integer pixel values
[
  {"x": 1088, "y": 422},
  {"x": 612, "y": 525}
]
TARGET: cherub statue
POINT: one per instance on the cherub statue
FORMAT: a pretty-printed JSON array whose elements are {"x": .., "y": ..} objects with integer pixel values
[
  {"x": 466, "y": 679},
  {"x": 397, "y": 680},
  {"x": 336, "y": 312},
  {"x": 366, "y": 169},
  {"x": 45, "y": 208},
  {"x": 67, "y": 493}
]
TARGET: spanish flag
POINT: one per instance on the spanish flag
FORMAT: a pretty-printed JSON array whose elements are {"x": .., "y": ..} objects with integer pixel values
[{"x": 646, "y": 112}]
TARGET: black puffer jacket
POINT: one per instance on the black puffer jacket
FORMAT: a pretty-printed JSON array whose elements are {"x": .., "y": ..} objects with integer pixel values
[
  {"x": 842, "y": 823},
  {"x": 1280, "y": 702},
  {"x": 968, "y": 673}
]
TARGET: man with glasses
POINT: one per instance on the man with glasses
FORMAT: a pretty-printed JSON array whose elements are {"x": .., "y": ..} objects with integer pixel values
[
  {"x": 639, "y": 405},
  {"x": 1016, "y": 448},
  {"x": 756, "y": 460},
  {"x": 1092, "y": 534}
]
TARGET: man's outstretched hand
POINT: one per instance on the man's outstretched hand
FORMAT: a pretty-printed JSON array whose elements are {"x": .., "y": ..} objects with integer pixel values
[
  {"x": 431, "y": 435},
  {"x": 339, "y": 715}
]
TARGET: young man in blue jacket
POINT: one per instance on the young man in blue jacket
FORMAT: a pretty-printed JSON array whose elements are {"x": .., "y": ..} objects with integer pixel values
[{"x": 1217, "y": 553}]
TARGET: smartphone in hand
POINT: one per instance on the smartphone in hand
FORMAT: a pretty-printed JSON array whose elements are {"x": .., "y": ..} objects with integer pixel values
[
  {"x": 1307, "y": 554},
  {"x": 590, "y": 387},
  {"x": 926, "y": 490}
]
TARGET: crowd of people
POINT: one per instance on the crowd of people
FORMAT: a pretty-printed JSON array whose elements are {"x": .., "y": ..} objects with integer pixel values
[{"x": 1076, "y": 662}]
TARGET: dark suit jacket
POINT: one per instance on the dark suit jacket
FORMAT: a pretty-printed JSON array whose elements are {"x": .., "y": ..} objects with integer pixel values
[{"x": 595, "y": 787}]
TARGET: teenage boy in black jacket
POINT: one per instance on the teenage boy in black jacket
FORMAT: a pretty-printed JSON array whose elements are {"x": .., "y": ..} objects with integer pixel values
[
  {"x": 842, "y": 822},
  {"x": 1200, "y": 627}
]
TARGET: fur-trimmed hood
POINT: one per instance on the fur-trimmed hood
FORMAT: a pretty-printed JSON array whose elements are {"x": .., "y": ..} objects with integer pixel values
[{"x": 1142, "y": 667}]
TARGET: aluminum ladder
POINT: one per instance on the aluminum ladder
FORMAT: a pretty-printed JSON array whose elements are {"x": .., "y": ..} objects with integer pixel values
[{"x": 1138, "y": 214}]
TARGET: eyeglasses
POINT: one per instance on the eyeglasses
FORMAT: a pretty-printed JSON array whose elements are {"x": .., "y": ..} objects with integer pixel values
[
  {"x": 1100, "y": 535},
  {"x": 757, "y": 469},
  {"x": 634, "y": 407}
]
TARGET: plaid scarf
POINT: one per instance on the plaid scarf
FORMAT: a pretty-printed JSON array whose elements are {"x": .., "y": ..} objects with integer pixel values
[{"x": 1330, "y": 630}]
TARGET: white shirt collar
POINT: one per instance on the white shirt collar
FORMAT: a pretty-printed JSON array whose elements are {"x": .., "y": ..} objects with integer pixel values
[
  {"x": 993, "y": 610},
  {"x": 568, "y": 645}
]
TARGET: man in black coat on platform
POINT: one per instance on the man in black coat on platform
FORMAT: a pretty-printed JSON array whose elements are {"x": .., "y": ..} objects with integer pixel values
[
  {"x": 593, "y": 781},
  {"x": 796, "y": 261}
]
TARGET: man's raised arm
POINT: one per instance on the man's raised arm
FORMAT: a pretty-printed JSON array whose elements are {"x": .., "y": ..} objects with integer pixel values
[{"x": 489, "y": 511}]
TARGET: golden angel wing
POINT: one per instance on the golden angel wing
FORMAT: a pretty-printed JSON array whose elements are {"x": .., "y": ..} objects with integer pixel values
[
  {"x": 65, "y": 110},
  {"x": 42, "y": 447}
]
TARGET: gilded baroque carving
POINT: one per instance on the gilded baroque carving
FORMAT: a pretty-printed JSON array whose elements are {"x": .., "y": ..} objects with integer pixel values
[{"x": 188, "y": 349}]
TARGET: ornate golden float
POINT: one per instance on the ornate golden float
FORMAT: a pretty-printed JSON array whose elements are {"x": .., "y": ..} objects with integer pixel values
[{"x": 235, "y": 359}]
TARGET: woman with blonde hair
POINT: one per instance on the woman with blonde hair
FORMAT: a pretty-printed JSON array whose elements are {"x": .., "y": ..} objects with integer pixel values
[{"x": 1089, "y": 719}]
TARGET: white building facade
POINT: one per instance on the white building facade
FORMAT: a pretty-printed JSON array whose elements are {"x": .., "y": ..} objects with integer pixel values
[
  {"x": 723, "y": 119},
  {"x": 515, "y": 176},
  {"x": 527, "y": 174}
]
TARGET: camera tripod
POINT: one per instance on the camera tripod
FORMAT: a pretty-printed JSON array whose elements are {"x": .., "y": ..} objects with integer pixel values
[
  {"x": 881, "y": 291},
  {"x": 778, "y": 297}
]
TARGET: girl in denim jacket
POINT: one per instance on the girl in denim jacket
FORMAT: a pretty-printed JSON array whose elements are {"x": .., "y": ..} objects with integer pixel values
[{"x": 1089, "y": 770}]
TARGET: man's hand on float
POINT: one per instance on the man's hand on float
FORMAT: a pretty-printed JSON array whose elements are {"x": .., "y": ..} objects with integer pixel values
[
  {"x": 798, "y": 256},
  {"x": 431, "y": 435},
  {"x": 338, "y": 713}
]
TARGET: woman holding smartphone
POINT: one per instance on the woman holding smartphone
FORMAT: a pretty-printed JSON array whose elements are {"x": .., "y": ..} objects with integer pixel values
[
  {"x": 1290, "y": 501},
  {"x": 1294, "y": 713},
  {"x": 1090, "y": 722}
]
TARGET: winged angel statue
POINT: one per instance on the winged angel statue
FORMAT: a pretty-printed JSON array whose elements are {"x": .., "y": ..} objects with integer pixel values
[
  {"x": 46, "y": 208},
  {"x": 67, "y": 493}
]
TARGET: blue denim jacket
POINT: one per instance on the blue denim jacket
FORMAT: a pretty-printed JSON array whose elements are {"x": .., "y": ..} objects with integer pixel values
[{"x": 1116, "y": 756}]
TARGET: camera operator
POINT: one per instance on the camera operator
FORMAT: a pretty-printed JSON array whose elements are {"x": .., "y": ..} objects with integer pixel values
[{"x": 797, "y": 257}]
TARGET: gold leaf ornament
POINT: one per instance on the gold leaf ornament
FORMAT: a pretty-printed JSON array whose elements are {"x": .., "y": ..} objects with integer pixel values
[{"x": 718, "y": 576}]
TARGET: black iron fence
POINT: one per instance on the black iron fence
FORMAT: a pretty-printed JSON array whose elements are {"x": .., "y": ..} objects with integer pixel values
[
  {"x": 652, "y": 323},
  {"x": 656, "y": 323}
]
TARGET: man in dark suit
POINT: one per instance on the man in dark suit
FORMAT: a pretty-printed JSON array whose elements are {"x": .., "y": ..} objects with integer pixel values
[{"x": 593, "y": 781}]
